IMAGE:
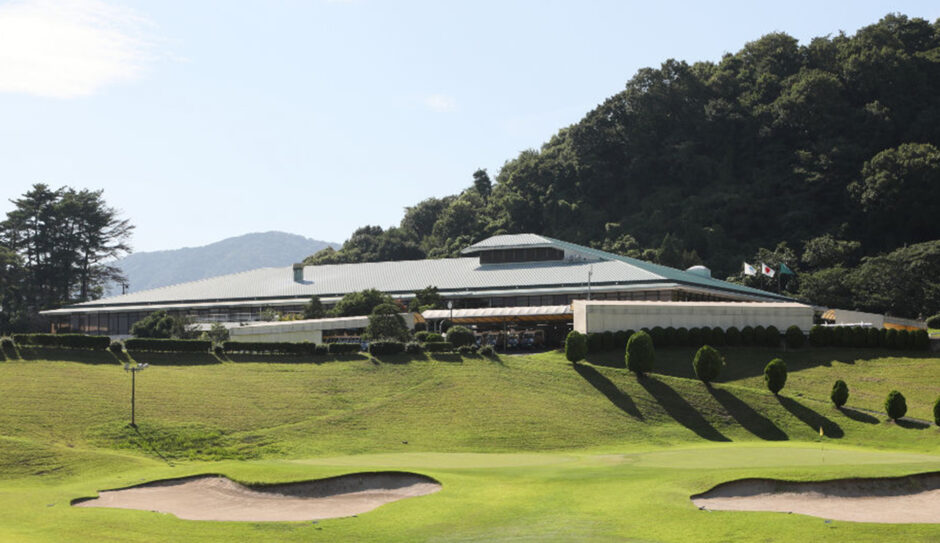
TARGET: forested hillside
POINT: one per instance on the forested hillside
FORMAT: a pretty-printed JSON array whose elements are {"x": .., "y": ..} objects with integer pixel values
[{"x": 817, "y": 155}]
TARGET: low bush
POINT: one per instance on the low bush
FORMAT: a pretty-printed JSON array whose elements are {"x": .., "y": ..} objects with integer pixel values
[
  {"x": 620, "y": 339},
  {"x": 343, "y": 348},
  {"x": 385, "y": 347},
  {"x": 270, "y": 347},
  {"x": 707, "y": 363},
  {"x": 904, "y": 339},
  {"x": 794, "y": 337},
  {"x": 921, "y": 340},
  {"x": 933, "y": 322},
  {"x": 883, "y": 338},
  {"x": 895, "y": 405},
  {"x": 460, "y": 335},
  {"x": 696, "y": 337},
  {"x": 775, "y": 375},
  {"x": 414, "y": 347},
  {"x": 871, "y": 337},
  {"x": 116, "y": 347},
  {"x": 733, "y": 336},
  {"x": 161, "y": 345},
  {"x": 747, "y": 335},
  {"x": 860, "y": 337},
  {"x": 891, "y": 339},
  {"x": 608, "y": 340},
  {"x": 7, "y": 343},
  {"x": 671, "y": 337},
  {"x": 467, "y": 349},
  {"x": 425, "y": 337},
  {"x": 840, "y": 393},
  {"x": 682, "y": 337},
  {"x": 772, "y": 337},
  {"x": 595, "y": 343},
  {"x": 488, "y": 351},
  {"x": 717, "y": 337},
  {"x": 640, "y": 354},
  {"x": 575, "y": 346},
  {"x": 439, "y": 347},
  {"x": 936, "y": 412},
  {"x": 658, "y": 335},
  {"x": 818, "y": 336},
  {"x": 63, "y": 341}
]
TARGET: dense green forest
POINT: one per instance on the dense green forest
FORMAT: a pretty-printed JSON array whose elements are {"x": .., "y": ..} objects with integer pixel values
[{"x": 823, "y": 156}]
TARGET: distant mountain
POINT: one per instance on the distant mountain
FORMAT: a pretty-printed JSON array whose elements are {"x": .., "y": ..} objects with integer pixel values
[{"x": 154, "y": 269}]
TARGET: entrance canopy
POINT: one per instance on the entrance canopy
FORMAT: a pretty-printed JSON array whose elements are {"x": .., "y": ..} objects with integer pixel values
[{"x": 499, "y": 315}]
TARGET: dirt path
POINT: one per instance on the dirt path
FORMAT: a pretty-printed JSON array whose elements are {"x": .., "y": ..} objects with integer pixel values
[{"x": 218, "y": 498}]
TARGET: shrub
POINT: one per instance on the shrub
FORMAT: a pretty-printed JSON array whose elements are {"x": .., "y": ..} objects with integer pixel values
[
  {"x": 640, "y": 355},
  {"x": 933, "y": 322},
  {"x": 608, "y": 340},
  {"x": 116, "y": 347},
  {"x": 818, "y": 336},
  {"x": 840, "y": 393},
  {"x": 6, "y": 343},
  {"x": 904, "y": 339},
  {"x": 891, "y": 339},
  {"x": 733, "y": 336},
  {"x": 794, "y": 337},
  {"x": 895, "y": 405},
  {"x": 218, "y": 350},
  {"x": 384, "y": 347},
  {"x": 658, "y": 335},
  {"x": 595, "y": 343},
  {"x": 270, "y": 347},
  {"x": 63, "y": 341},
  {"x": 575, "y": 346},
  {"x": 775, "y": 375},
  {"x": 682, "y": 337},
  {"x": 859, "y": 337},
  {"x": 747, "y": 335},
  {"x": 921, "y": 340},
  {"x": 883, "y": 338},
  {"x": 414, "y": 347},
  {"x": 162, "y": 345},
  {"x": 772, "y": 337},
  {"x": 460, "y": 335},
  {"x": 671, "y": 337},
  {"x": 936, "y": 412},
  {"x": 385, "y": 323},
  {"x": 438, "y": 346},
  {"x": 760, "y": 336},
  {"x": 425, "y": 337},
  {"x": 343, "y": 348},
  {"x": 160, "y": 324},
  {"x": 696, "y": 337},
  {"x": 717, "y": 337},
  {"x": 467, "y": 349},
  {"x": 707, "y": 363},
  {"x": 488, "y": 351},
  {"x": 871, "y": 337},
  {"x": 321, "y": 349},
  {"x": 620, "y": 339}
]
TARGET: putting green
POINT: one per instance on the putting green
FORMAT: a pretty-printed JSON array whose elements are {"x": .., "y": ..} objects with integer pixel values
[
  {"x": 432, "y": 460},
  {"x": 744, "y": 456}
]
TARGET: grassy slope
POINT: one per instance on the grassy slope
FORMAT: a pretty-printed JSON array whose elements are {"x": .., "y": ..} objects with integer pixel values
[{"x": 595, "y": 454}]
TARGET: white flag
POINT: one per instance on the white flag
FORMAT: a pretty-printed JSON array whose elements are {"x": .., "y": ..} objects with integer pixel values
[
  {"x": 767, "y": 270},
  {"x": 749, "y": 270}
]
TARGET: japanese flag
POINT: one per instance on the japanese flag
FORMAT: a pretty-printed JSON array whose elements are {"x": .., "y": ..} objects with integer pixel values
[
  {"x": 749, "y": 270},
  {"x": 766, "y": 270}
]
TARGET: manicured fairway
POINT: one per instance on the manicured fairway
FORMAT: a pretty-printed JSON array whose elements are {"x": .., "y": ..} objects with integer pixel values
[{"x": 526, "y": 448}]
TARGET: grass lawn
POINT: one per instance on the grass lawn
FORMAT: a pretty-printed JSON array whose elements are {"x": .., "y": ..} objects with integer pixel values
[{"x": 527, "y": 448}]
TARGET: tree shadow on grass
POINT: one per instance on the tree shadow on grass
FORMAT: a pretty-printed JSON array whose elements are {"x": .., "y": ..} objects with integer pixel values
[
  {"x": 912, "y": 424},
  {"x": 147, "y": 444},
  {"x": 681, "y": 410},
  {"x": 747, "y": 417},
  {"x": 81, "y": 356},
  {"x": 858, "y": 416},
  {"x": 173, "y": 359},
  {"x": 242, "y": 358},
  {"x": 811, "y": 418},
  {"x": 603, "y": 385}
]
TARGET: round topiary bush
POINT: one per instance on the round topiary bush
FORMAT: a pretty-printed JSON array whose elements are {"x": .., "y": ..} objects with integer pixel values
[
  {"x": 936, "y": 412},
  {"x": 116, "y": 347},
  {"x": 747, "y": 335},
  {"x": 921, "y": 340},
  {"x": 860, "y": 337},
  {"x": 717, "y": 337},
  {"x": 640, "y": 354},
  {"x": 760, "y": 336},
  {"x": 840, "y": 393},
  {"x": 671, "y": 337},
  {"x": 620, "y": 339},
  {"x": 658, "y": 335},
  {"x": 607, "y": 339},
  {"x": 733, "y": 336},
  {"x": 707, "y": 363},
  {"x": 595, "y": 343},
  {"x": 772, "y": 337},
  {"x": 895, "y": 405},
  {"x": 817, "y": 336},
  {"x": 891, "y": 339},
  {"x": 871, "y": 337},
  {"x": 459, "y": 336},
  {"x": 467, "y": 349},
  {"x": 682, "y": 337},
  {"x": 904, "y": 339},
  {"x": 414, "y": 347},
  {"x": 575, "y": 346},
  {"x": 775, "y": 375},
  {"x": 795, "y": 338}
]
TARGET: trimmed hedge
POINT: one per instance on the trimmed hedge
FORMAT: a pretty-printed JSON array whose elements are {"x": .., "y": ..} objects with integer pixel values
[
  {"x": 840, "y": 393},
  {"x": 747, "y": 335},
  {"x": 682, "y": 337},
  {"x": 818, "y": 336},
  {"x": 488, "y": 351},
  {"x": 707, "y": 363},
  {"x": 640, "y": 355},
  {"x": 794, "y": 337},
  {"x": 672, "y": 337},
  {"x": 696, "y": 337},
  {"x": 608, "y": 340},
  {"x": 460, "y": 335},
  {"x": 425, "y": 337},
  {"x": 658, "y": 335},
  {"x": 620, "y": 339},
  {"x": 772, "y": 337},
  {"x": 167, "y": 345},
  {"x": 378, "y": 348},
  {"x": 733, "y": 336},
  {"x": 775, "y": 375},
  {"x": 595, "y": 343},
  {"x": 63, "y": 341},
  {"x": 116, "y": 347},
  {"x": 575, "y": 346},
  {"x": 895, "y": 405},
  {"x": 343, "y": 348},
  {"x": 414, "y": 347},
  {"x": 717, "y": 337},
  {"x": 7, "y": 343},
  {"x": 438, "y": 346},
  {"x": 272, "y": 347},
  {"x": 921, "y": 340}
]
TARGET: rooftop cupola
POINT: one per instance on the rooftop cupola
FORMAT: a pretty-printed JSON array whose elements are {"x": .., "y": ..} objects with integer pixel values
[
  {"x": 298, "y": 273},
  {"x": 521, "y": 248}
]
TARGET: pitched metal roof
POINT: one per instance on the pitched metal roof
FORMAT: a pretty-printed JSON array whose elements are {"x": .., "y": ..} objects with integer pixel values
[
  {"x": 509, "y": 241},
  {"x": 450, "y": 275}
]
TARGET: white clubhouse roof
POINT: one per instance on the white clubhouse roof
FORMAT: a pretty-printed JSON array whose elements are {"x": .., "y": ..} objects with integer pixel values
[{"x": 453, "y": 277}]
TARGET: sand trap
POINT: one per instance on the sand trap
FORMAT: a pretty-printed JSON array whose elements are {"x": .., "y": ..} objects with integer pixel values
[
  {"x": 213, "y": 497},
  {"x": 896, "y": 500}
]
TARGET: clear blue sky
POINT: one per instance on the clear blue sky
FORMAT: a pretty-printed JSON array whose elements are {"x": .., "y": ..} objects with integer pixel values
[{"x": 203, "y": 120}]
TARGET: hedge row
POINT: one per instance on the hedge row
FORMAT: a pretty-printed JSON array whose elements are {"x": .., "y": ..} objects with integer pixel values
[
  {"x": 343, "y": 348},
  {"x": 858, "y": 336},
  {"x": 438, "y": 346},
  {"x": 65, "y": 341},
  {"x": 696, "y": 337},
  {"x": 168, "y": 345},
  {"x": 378, "y": 348},
  {"x": 279, "y": 347}
]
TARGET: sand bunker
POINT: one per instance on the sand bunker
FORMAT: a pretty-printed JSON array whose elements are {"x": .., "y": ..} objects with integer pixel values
[
  {"x": 213, "y": 497},
  {"x": 911, "y": 499}
]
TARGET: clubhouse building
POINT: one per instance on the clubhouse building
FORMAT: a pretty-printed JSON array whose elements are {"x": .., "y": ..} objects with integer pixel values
[{"x": 502, "y": 279}]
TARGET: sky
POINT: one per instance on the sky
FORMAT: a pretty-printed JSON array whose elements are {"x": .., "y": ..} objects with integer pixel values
[{"x": 201, "y": 120}]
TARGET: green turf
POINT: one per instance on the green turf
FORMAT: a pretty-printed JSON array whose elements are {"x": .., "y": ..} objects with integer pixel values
[{"x": 528, "y": 448}]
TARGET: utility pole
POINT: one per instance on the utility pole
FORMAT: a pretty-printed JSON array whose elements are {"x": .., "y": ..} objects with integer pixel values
[{"x": 134, "y": 370}]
